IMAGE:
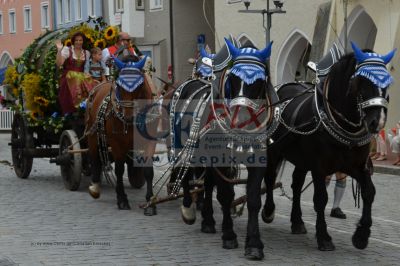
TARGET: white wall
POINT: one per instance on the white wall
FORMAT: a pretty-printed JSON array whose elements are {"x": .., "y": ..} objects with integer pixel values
[{"x": 132, "y": 20}]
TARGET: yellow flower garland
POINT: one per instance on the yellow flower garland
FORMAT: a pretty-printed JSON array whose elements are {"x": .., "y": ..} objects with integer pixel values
[
  {"x": 30, "y": 87},
  {"x": 110, "y": 33},
  {"x": 100, "y": 43},
  {"x": 41, "y": 101},
  {"x": 68, "y": 42}
]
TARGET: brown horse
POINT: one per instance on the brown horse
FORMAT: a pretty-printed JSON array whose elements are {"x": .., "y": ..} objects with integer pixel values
[{"x": 118, "y": 112}]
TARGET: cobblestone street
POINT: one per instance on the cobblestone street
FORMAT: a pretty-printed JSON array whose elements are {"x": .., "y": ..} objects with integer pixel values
[{"x": 42, "y": 223}]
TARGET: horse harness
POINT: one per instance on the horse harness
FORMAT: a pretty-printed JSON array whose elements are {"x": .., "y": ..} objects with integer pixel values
[{"x": 324, "y": 115}]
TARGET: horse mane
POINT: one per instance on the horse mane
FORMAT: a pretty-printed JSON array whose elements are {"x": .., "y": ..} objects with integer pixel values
[
  {"x": 145, "y": 92},
  {"x": 341, "y": 71}
]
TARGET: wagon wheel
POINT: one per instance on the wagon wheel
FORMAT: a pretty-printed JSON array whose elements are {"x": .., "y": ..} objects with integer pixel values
[
  {"x": 71, "y": 167},
  {"x": 21, "y": 139}
]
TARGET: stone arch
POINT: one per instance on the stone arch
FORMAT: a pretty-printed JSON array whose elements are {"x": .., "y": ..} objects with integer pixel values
[
  {"x": 293, "y": 56},
  {"x": 6, "y": 59},
  {"x": 361, "y": 29}
]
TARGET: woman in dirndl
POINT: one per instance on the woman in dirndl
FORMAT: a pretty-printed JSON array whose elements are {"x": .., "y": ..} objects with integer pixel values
[{"x": 73, "y": 83}]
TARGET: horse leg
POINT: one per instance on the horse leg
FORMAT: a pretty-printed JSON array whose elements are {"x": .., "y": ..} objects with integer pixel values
[
  {"x": 208, "y": 223},
  {"x": 95, "y": 164},
  {"x": 298, "y": 178},
  {"x": 254, "y": 246},
  {"x": 148, "y": 175},
  {"x": 363, "y": 231},
  {"x": 320, "y": 199},
  {"x": 122, "y": 199},
  {"x": 225, "y": 196},
  {"x": 200, "y": 195},
  {"x": 273, "y": 166},
  {"x": 135, "y": 174},
  {"x": 188, "y": 207}
]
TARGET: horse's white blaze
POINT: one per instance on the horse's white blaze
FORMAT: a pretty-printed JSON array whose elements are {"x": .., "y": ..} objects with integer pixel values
[{"x": 382, "y": 120}]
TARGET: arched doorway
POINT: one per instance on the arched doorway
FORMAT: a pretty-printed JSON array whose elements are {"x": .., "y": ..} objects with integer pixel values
[
  {"x": 5, "y": 60},
  {"x": 361, "y": 29},
  {"x": 293, "y": 57}
]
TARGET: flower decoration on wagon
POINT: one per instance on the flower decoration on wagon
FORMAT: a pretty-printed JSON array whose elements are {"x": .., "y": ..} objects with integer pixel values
[{"x": 33, "y": 81}]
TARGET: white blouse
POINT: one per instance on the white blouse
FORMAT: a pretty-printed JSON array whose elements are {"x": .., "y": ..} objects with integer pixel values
[{"x": 65, "y": 53}]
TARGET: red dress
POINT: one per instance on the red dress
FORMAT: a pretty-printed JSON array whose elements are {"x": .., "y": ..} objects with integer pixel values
[{"x": 71, "y": 87}]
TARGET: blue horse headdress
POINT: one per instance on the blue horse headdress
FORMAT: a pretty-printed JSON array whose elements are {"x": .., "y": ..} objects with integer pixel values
[
  {"x": 205, "y": 70},
  {"x": 130, "y": 76},
  {"x": 373, "y": 66},
  {"x": 249, "y": 63}
]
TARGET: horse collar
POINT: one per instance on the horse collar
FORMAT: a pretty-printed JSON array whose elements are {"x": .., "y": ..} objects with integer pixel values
[{"x": 324, "y": 110}]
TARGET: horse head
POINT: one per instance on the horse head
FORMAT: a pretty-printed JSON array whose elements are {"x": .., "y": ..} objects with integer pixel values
[
  {"x": 367, "y": 81},
  {"x": 130, "y": 84},
  {"x": 372, "y": 81},
  {"x": 246, "y": 84},
  {"x": 203, "y": 67}
]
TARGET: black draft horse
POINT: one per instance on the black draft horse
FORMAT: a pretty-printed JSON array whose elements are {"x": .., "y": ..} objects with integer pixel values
[
  {"x": 328, "y": 130},
  {"x": 245, "y": 94}
]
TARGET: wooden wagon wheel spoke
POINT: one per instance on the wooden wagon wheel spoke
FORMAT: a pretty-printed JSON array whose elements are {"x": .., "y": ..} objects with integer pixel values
[
  {"x": 21, "y": 139},
  {"x": 71, "y": 163}
]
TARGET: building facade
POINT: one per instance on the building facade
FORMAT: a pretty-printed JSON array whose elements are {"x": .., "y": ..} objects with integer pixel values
[
  {"x": 291, "y": 32},
  {"x": 67, "y": 13},
  {"x": 20, "y": 23},
  {"x": 171, "y": 33},
  {"x": 374, "y": 25}
]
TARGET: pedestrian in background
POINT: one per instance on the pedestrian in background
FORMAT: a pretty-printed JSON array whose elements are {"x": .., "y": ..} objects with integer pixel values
[
  {"x": 395, "y": 144},
  {"x": 381, "y": 148},
  {"x": 340, "y": 187}
]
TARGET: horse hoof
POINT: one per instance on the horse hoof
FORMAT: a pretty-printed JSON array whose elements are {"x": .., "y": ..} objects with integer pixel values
[
  {"x": 326, "y": 245},
  {"x": 267, "y": 219},
  {"x": 123, "y": 205},
  {"x": 94, "y": 190},
  {"x": 254, "y": 253},
  {"x": 150, "y": 211},
  {"x": 189, "y": 214},
  {"x": 208, "y": 229},
  {"x": 360, "y": 238},
  {"x": 298, "y": 229},
  {"x": 230, "y": 244}
]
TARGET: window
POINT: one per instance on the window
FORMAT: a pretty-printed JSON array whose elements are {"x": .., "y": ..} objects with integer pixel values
[
  {"x": 91, "y": 8},
  {"x": 139, "y": 5},
  {"x": 156, "y": 5},
  {"x": 11, "y": 19},
  {"x": 59, "y": 12},
  {"x": 45, "y": 15},
  {"x": 119, "y": 6},
  {"x": 78, "y": 9},
  {"x": 68, "y": 11},
  {"x": 27, "y": 18},
  {"x": 1, "y": 22}
]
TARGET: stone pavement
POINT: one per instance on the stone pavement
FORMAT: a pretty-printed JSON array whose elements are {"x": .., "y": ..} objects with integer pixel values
[{"x": 41, "y": 223}]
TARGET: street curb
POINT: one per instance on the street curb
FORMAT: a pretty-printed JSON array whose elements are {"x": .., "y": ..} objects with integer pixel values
[{"x": 387, "y": 169}]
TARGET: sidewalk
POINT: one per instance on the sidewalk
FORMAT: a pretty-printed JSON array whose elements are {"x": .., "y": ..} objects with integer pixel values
[{"x": 386, "y": 167}]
